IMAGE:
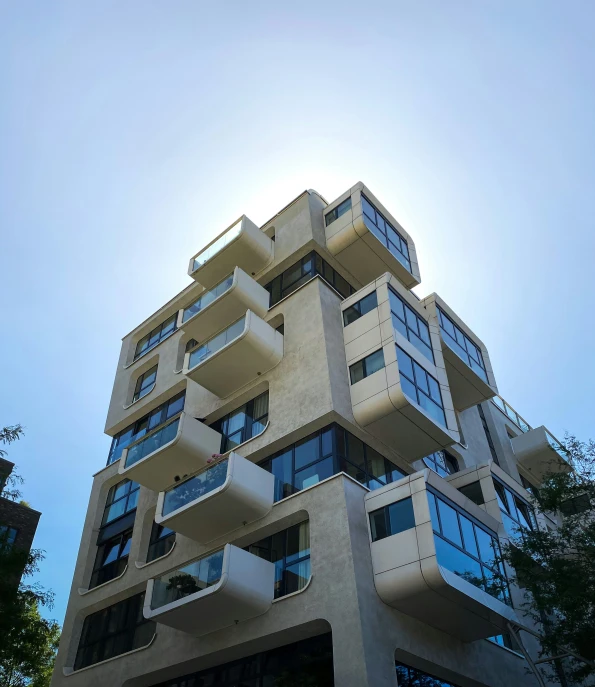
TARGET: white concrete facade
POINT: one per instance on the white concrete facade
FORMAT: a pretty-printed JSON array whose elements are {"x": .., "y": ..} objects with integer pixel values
[{"x": 299, "y": 351}]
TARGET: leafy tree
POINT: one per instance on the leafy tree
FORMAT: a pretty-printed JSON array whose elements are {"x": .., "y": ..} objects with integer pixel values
[
  {"x": 556, "y": 566},
  {"x": 28, "y": 642}
]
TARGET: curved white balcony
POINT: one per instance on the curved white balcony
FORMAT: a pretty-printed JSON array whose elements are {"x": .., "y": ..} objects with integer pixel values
[
  {"x": 539, "y": 452},
  {"x": 218, "y": 500},
  {"x": 213, "y": 592},
  {"x": 458, "y": 588},
  {"x": 178, "y": 448},
  {"x": 242, "y": 245},
  {"x": 368, "y": 241},
  {"x": 235, "y": 356},
  {"x": 222, "y": 305}
]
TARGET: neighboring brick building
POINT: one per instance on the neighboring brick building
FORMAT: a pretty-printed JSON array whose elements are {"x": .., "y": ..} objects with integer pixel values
[{"x": 18, "y": 523}]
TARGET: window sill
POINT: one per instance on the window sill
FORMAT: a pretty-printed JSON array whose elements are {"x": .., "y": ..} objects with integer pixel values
[
  {"x": 140, "y": 566},
  {"x": 67, "y": 672},
  {"x": 141, "y": 398},
  {"x": 299, "y": 591},
  {"x": 82, "y": 591}
]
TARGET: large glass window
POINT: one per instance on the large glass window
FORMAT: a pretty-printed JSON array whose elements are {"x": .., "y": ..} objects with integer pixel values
[
  {"x": 243, "y": 423},
  {"x": 301, "y": 272},
  {"x": 420, "y": 386},
  {"x": 207, "y": 297},
  {"x": 384, "y": 231},
  {"x": 289, "y": 550},
  {"x": 147, "y": 423},
  {"x": 114, "y": 631},
  {"x": 412, "y": 677},
  {"x": 323, "y": 454},
  {"x": 216, "y": 343},
  {"x": 8, "y": 537},
  {"x": 366, "y": 366},
  {"x": 392, "y": 519},
  {"x": 517, "y": 514},
  {"x": 462, "y": 345},
  {"x": 155, "y": 336},
  {"x": 467, "y": 549},
  {"x": 145, "y": 383},
  {"x": 121, "y": 500},
  {"x": 334, "y": 214},
  {"x": 161, "y": 542},
  {"x": 360, "y": 308},
  {"x": 111, "y": 559},
  {"x": 442, "y": 463},
  {"x": 410, "y": 325},
  {"x": 309, "y": 662}
]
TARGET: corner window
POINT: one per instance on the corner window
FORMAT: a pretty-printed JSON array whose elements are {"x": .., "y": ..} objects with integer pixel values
[
  {"x": 334, "y": 214},
  {"x": 138, "y": 429},
  {"x": 467, "y": 548},
  {"x": 384, "y": 231},
  {"x": 442, "y": 463},
  {"x": 366, "y": 366},
  {"x": 243, "y": 423},
  {"x": 360, "y": 308},
  {"x": 145, "y": 383},
  {"x": 303, "y": 271},
  {"x": 410, "y": 325},
  {"x": 155, "y": 336},
  {"x": 392, "y": 519},
  {"x": 462, "y": 345},
  {"x": 8, "y": 537},
  {"x": 420, "y": 386},
  {"x": 323, "y": 454},
  {"x": 289, "y": 550},
  {"x": 516, "y": 513},
  {"x": 113, "y": 631},
  {"x": 162, "y": 540}
]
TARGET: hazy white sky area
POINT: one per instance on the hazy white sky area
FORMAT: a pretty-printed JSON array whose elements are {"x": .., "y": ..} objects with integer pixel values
[{"x": 131, "y": 133}]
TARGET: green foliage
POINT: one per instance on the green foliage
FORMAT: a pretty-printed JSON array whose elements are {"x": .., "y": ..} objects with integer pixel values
[
  {"x": 557, "y": 566},
  {"x": 28, "y": 642}
]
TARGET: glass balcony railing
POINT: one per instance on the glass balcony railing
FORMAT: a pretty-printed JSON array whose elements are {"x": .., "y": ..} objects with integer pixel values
[
  {"x": 555, "y": 444},
  {"x": 195, "y": 487},
  {"x": 511, "y": 413},
  {"x": 207, "y": 298},
  {"x": 232, "y": 233},
  {"x": 151, "y": 442},
  {"x": 207, "y": 349},
  {"x": 192, "y": 578}
]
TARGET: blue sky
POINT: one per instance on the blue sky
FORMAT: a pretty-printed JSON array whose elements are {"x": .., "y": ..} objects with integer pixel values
[{"x": 132, "y": 133}]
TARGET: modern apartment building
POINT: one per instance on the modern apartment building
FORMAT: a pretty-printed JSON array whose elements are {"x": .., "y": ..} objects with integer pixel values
[
  {"x": 18, "y": 522},
  {"x": 310, "y": 476}
]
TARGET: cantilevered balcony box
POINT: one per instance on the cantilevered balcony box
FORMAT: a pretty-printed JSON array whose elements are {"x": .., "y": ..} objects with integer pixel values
[
  {"x": 539, "y": 453},
  {"x": 367, "y": 240},
  {"x": 409, "y": 408},
  {"x": 467, "y": 360},
  {"x": 242, "y": 245},
  {"x": 235, "y": 356},
  {"x": 213, "y": 592},
  {"x": 219, "y": 499},
  {"x": 178, "y": 448},
  {"x": 419, "y": 571},
  {"x": 217, "y": 308}
]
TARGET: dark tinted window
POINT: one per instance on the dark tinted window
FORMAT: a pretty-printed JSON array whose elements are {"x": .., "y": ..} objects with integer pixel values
[
  {"x": 410, "y": 325},
  {"x": 341, "y": 209},
  {"x": 384, "y": 231},
  {"x": 462, "y": 345},
  {"x": 420, "y": 386},
  {"x": 155, "y": 336},
  {"x": 360, "y": 308},
  {"x": 243, "y": 423},
  {"x": 392, "y": 519},
  {"x": 366, "y": 366}
]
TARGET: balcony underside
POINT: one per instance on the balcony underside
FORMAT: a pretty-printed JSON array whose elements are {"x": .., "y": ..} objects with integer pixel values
[
  {"x": 536, "y": 454},
  {"x": 466, "y": 387},
  {"x": 246, "y": 495},
  {"x": 258, "y": 349},
  {"x": 245, "y": 590},
  {"x": 244, "y": 294},
  {"x": 426, "y": 591},
  {"x": 193, "y": 444},
  {"x": 362, "y": 254}
]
